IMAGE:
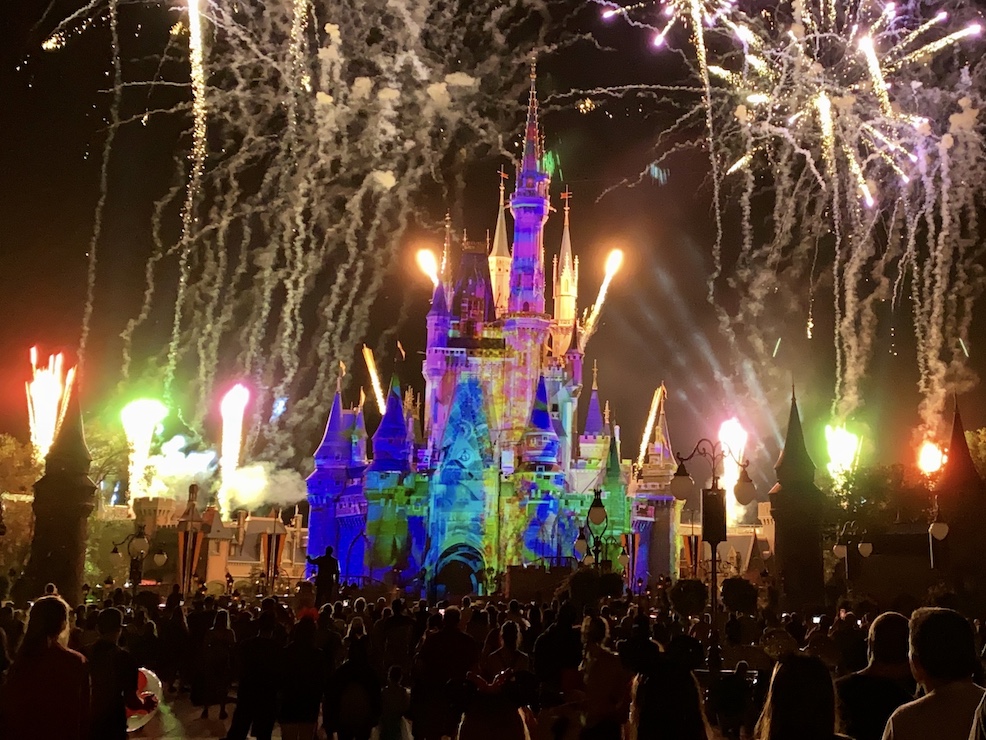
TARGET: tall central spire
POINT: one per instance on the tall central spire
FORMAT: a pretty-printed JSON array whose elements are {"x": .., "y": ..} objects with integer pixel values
[
  {"x": 529, "y": 205},
  {"x": 532, "y": 132}
]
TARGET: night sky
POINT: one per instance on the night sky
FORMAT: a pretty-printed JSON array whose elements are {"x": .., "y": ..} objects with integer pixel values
[{"x": 653, "y": 326}]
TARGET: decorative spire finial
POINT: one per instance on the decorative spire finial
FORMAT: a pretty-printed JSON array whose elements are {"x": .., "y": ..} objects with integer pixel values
[
  {"x": 606, "y": 413},
  {"x": 566, "y": 196},
  {"x": 595, "y": 376}
]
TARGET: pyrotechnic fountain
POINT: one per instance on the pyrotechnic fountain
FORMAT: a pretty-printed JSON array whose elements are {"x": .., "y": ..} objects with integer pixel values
[
  {"x": 930, "y": 458},
  {"x": 48, "y": 392},
  {"x": 733, "y": 438},
  {"x": 843, "y": 450},
  {"x": 141, "y": 419},
  {"x": 232, "y": 409}
]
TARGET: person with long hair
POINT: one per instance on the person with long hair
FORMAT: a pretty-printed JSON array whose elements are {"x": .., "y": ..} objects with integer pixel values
[
  {"x": 800, "y": 702},
  {"x": 667, "y": 703},
  {"x": 47, "y": 689}
]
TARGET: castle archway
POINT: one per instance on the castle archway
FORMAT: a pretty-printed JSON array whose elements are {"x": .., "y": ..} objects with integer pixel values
[{"x": 459, "y": 571}]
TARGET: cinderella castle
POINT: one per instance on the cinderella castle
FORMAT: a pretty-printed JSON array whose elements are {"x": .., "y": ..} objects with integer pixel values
[{"x": 488, "y": 471}]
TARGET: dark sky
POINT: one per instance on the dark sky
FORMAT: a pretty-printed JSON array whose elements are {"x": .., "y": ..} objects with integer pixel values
[{"x": 655, "y": 324}]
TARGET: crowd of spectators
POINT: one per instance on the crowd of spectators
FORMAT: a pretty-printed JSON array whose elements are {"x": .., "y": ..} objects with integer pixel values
[{"x": 473, "y": 671}]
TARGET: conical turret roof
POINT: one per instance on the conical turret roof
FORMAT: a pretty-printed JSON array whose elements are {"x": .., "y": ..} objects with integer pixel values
[
  {"x": 594, "y": 422},
  {"x": 501, "y": 248},
  {"x": 69, "y": 452},
  {"x": 336, "y": 442},
  {"x": 439, "y": 306},
  {"x": 794, "y": 464},
  {"x": 959, "y": 471},
  {"x": 390, "y": 440}
]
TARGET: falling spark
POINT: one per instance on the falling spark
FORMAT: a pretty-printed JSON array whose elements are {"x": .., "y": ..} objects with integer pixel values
[
  {"x": 740, "y": 163},
  {"x": 649, "y": 426},
  {"x": 371, "y": 366},
  {"x": 47, "y": 396},
  {"x": 778, "y": 346},
  {"x": 141, "y": 420},
  {"x": 965, "y": 350},
  {"x": 935, "y": 46},
  {"x": 876, "y": 74},
  {"x": 843, "y": 448},
  {"x": 428, "y": 264},
  {"x": 733, "y": 438},
  {"x": 231, "y": 409},
  {"x": 930, "y": 457}
]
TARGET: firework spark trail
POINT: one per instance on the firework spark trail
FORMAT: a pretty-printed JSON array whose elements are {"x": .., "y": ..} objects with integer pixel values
[
  {"x": 47, "y": 397},
  {"x": 371, "y": 366},
  {"x": 649, "y": 426},
  {"x": 141, "y": 419},
  {"x": 197, "y": 157},
  {"x": 97, "y": 226},
  {"x": 613, "y": 263},
  {"x": 839, "y": 95}
]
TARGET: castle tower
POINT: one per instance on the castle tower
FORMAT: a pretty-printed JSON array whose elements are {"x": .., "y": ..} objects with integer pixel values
[
  {"x": 566, "y": 290},
  {"x": 656, "y": 515},
  {"x": 526, "y": 327},
  {"x": 391, "y": 447},
  {"x": 795, "y": 504},
  {"x": 961, "y": 497},
  {"x": 63, "y": 500},
  {"x": 529, "y": 206},
  {"x": 499, "y": 258},
  {"x": 439, "y": 321},
  {"x": 540, "y": 446},
  {"x": 328, "y": 481},
  {"x": 595, "y": 437}
]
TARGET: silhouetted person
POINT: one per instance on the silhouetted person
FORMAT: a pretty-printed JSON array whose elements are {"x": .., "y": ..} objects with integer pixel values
[
  {"x": 352, "y": 697},
  {"x": 868, "y": 697},
  {"x": 446, "y": 655},
  {"x": 667, "y": 704},
  {"x": 558, "y": 652},
  {"x": 735, "y": 700},
  {"x": 800, "y": 702},
  {"x": 303, "y": 672},
  {"x": 326, "y": 577},
  {"x": 47, "y": 689},
  {"x": 217, "y": 666},
  {"x": 943, "y": 660},
  {"x": 114, "y": 680},
  {"x": 256, "y": 697}
]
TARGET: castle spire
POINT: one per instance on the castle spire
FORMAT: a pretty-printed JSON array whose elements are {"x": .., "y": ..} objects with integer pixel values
[
  {"x": 794, "y": 464},
  {"x": 445, "y": 269},
  {"x": 959, "y": 471},
  {"x": 595, "y": 423},
  {"x": 532, "y": 132},
  {"x": 499, "y": 258}
]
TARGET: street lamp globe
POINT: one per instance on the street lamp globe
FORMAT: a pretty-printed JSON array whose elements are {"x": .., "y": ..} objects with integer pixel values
[
  {"x": 938, "y": 530},
  {"x": 139, "y": 546},
  {"x": 745, "y": 490},
  {"x": 682, "y": 484},
  {"x": 597, "y": 512},
  {"x": 588, "y": 559},
  {"x": 865, "y": 549},
  {"x": 840, "y": 551},
  {"x": 624, "y": 558},
  {"x": 116, "y": 555},
  {"x": 581, "y": 545},
  {"x": 160, "y": 557}
]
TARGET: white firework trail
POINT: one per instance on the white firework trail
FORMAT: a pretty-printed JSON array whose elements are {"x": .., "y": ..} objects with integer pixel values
[{"x": 327, "y": 122}]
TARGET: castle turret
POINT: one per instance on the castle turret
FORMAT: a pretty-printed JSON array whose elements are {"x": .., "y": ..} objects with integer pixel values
[
  {"x": 327, "y": 482},
  {"x": 565, "y": 291},
  {"x": 499, "y": 258},
  {"x": 472, "y": 306},
  {"x": 795, "y": 504},
  {"x": 529, "y": 206},
  {"x": 63, "y": 499},
  {"x": 961, "y": 497},
  {"x": 540, "y": 445},
  {"x": 595, "y": 438},
  {"x": 391, "y": 448}
]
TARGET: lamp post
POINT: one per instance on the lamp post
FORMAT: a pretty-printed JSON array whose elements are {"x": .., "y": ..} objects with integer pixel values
[
  {"x": 590, "y": 550},
  {"x": 850, "y": 536},
  {"x": 137, "y": 548},
  {"x": 713, "y": 519}
]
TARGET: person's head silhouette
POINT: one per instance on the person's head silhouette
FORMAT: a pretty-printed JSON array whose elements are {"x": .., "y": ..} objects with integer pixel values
[{"x": 328, "y": 551}]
